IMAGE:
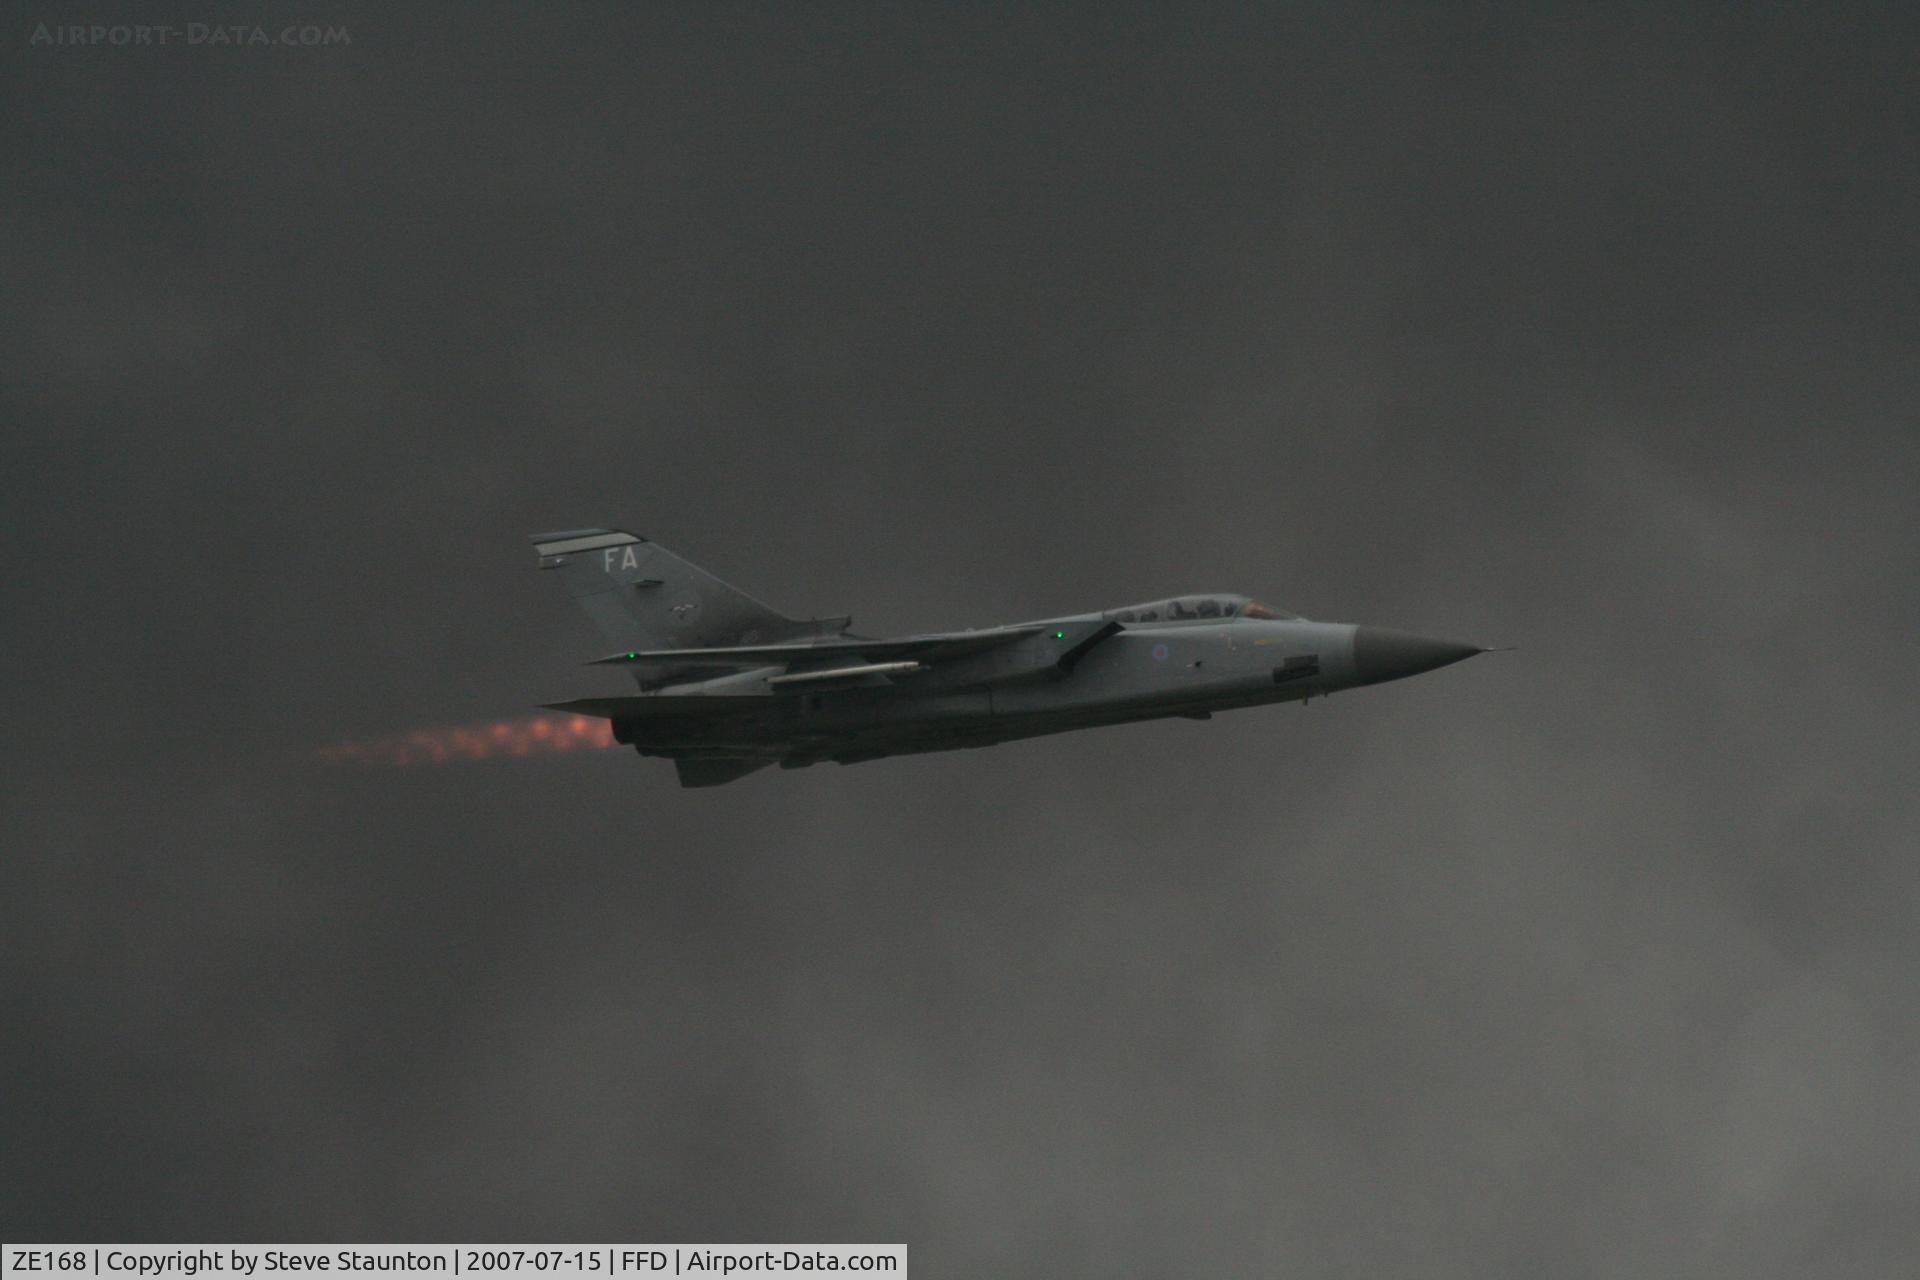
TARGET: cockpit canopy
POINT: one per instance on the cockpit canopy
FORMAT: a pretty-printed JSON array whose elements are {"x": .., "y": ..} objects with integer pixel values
[{"x": 1199, "y": 608}]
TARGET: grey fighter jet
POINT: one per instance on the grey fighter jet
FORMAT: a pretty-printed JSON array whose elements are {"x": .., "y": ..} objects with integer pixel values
[{"x": 728, "y": 686}]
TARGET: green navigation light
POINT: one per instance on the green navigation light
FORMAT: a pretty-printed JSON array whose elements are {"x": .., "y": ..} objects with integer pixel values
[{"x": 1059, "y": 635}]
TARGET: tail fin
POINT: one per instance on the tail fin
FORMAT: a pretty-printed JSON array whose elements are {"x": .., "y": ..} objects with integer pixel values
[{"x": 642, "y": 596}]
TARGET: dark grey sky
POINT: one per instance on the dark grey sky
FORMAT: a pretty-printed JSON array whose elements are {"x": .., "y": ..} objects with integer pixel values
[{"x": 1590, "y": 333}]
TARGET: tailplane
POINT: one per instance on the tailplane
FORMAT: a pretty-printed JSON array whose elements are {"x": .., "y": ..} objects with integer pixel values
[{"x": 715, "y": 772}]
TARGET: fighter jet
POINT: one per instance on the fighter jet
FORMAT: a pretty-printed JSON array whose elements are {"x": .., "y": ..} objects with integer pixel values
[{"x": 728, "y": 685}]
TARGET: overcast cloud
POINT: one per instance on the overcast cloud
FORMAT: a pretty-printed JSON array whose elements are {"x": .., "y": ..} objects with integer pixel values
[{"x": 1588, "y": 333}]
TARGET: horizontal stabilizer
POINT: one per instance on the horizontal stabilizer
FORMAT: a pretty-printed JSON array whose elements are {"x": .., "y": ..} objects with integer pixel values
[
  {"x": 663, "y": 706},
  {"x": 695, "y": 772}
]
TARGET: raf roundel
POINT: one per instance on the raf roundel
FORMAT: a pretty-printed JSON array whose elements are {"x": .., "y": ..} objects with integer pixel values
[{"x": 1160, "y": 653}]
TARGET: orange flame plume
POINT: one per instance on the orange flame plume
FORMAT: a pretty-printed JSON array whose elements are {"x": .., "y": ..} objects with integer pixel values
[{"x": 523, "y": 736}]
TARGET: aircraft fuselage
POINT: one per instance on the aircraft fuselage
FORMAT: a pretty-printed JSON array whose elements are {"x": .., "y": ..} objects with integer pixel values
[
  {"x": 729, "y": 685},
  {"x": 1138, "y": 672}
]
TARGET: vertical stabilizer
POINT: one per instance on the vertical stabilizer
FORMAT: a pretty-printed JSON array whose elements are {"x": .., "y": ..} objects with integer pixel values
[{"x": 643, "y": 596}]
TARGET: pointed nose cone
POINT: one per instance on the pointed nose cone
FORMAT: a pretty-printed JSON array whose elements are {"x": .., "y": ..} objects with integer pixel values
[{"x": 1380, "y": 653}]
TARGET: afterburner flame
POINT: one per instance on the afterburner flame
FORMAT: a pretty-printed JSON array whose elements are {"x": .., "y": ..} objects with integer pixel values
[{"x": 522, "y": 736}]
